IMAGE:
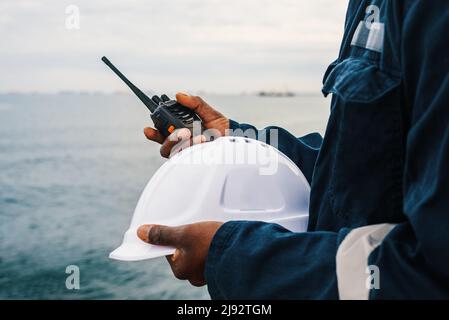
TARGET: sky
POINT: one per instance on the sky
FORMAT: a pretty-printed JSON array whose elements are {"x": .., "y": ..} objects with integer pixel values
[{"x": 230, "y": 46}]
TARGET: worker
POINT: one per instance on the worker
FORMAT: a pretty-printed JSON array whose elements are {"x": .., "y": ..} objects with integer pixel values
[{"x": 379, "y": 204}]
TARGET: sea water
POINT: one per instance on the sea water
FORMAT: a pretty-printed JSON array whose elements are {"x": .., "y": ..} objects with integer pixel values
[{"x": 72, "y": 167}]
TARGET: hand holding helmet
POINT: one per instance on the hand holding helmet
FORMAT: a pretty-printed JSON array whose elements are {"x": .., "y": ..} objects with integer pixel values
[{"x": 192, "y": 243}]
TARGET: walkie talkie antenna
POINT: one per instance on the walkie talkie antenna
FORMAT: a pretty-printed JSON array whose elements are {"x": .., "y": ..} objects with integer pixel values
[{"x": 151, "y": 105}]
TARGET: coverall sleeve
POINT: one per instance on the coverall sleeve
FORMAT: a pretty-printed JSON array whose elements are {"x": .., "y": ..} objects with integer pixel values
[
  {"x": 302, "y": 151},
  {"x": 256, "y": 260},
  {"x": 260, "y": 260}
]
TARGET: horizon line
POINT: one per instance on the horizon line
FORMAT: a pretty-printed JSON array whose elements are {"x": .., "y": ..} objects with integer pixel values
[{"x": 119, "y": 92}]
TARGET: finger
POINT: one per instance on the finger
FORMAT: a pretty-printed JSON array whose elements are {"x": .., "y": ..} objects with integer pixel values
[
  {"x": 182, "y": 268},
  {"x": 188, "y": 143},
  {"x": 153, "y": 135},
  {"x": 173, "y": 258},
  {"x": 197, "y": 282},
  {"x": 159, "y": 235},
  {"x": 177, "y": 265},
  {"x": 185, "y": 144},
  {"x": 176, "y": 137},
  {"x": 201, "y": 108}
]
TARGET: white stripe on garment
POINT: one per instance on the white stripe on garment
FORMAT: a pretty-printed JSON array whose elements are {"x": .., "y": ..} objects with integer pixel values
[
  {"x": 375, "y": 40},
  {"x": 352, "y": 260},
  {"x": 369, "y": 37}
]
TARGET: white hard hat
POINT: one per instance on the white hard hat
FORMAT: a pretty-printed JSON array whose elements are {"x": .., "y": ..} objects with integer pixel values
[{"x": 228, "y": 179}]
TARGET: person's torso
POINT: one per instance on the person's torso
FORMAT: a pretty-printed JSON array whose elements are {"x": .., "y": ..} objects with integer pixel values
[{"x": 359, "y": 172}]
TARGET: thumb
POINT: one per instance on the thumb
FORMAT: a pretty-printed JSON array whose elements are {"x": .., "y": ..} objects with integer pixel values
[
  {"x": 201, "y": 108},
  {"x": 159, "y": 235}
]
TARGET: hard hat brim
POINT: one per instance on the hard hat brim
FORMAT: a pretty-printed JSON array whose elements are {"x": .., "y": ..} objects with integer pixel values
[{"x": 139, "y": 251}]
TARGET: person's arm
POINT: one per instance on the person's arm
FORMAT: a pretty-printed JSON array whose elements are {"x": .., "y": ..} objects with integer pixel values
[
  {"x": 255, "y": 260},
  {"x": 409, "y": 260}
]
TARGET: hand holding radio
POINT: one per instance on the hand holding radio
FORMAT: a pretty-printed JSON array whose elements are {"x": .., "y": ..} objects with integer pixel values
[
  {"x": 182, "y": 138},
  {"x": 175, "y": 121}
]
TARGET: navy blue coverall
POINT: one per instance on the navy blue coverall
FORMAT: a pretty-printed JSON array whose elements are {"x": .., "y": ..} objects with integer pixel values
[{"x": 384, "y": 159}]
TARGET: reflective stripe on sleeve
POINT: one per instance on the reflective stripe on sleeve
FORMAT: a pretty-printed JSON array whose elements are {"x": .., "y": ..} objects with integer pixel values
[{"x": 352, "y": 260}]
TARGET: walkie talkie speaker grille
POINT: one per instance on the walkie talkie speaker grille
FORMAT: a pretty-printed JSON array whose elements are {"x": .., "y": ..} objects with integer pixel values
[{"x": 230, "y": 178}]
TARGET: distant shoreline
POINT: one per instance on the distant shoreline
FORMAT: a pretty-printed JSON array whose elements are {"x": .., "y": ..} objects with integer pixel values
[{"x": 263, "y": 94}]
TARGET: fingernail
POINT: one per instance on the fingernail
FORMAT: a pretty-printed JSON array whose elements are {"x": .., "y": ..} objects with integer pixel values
[
  {"x": 179, "y": 134},
  {"x": 143, "y": 232},
  {"x": 184, "y": 94},
  {"x": 184, "y": 132},
  {"x": 198, "y": 139}
]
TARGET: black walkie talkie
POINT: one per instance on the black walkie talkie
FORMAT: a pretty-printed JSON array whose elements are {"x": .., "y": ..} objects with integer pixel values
[{"x": 166, "y": 114}]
